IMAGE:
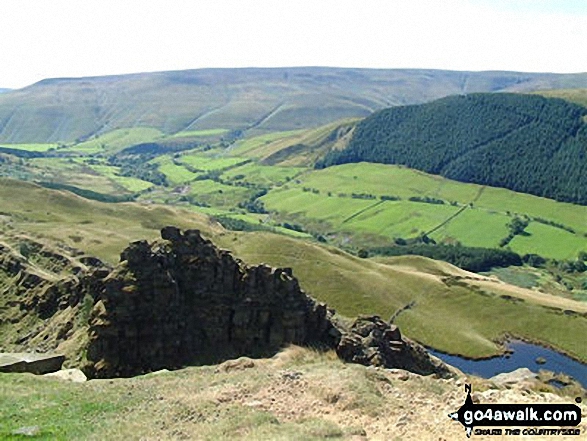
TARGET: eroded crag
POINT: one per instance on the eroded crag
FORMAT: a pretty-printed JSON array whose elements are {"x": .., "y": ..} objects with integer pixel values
[{"x": 181, "y": 301}]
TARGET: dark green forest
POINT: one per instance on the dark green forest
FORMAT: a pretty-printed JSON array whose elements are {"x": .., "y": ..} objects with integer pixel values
[{"x": 526, "y": 143}]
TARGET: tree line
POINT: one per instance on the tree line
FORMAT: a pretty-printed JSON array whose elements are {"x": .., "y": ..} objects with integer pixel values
[{"x": 526, "y": 143}]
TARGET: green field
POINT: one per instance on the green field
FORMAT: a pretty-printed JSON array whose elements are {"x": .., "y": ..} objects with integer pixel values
[
  {"x": 175, "y": 174},
  {"x": 199, "y": 133},
  {"x": 254, "y": 173},
  {"x": 129, "y": 183},
  {"x": 207, "y": 163},
  {"x": 476, "y": 228},
  {"x": 31, "y": 147},
  {"x": 471, "y": 214},
  {"x": 548, "y": 241},
  {"x": 217, "y": 194},
  {"x": 116, "y": 140},
  {"x": 574, "y": 216},
  {"x": 381, "y": 179}
]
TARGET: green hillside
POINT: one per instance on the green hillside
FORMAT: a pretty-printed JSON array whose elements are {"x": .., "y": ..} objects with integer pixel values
[
  {"x": 455, "y": 311},
  {"x": 254, "y": 100},
  {"x": 525, "y": 143},
  {"x": 297, "y": 147}
]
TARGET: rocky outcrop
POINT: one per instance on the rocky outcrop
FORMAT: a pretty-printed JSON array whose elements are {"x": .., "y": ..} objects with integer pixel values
[
  {"x": 370, "y": 341},
  {"x": 183, "y": 301},
  {"x": 179, "y": 301}
]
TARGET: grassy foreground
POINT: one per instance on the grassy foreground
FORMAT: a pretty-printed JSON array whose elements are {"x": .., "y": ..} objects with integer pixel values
[{"x": 297, "y": 394}]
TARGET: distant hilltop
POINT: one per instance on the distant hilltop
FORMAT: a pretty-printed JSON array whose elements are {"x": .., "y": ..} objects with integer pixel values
[{"x": 256, "y": 100}]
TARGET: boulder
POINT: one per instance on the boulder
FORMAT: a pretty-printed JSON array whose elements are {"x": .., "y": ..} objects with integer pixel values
[
  {"x": 34, "y": 363},
  {"x": 517, "y": 376},
  {"x": 73, "y": 375}
]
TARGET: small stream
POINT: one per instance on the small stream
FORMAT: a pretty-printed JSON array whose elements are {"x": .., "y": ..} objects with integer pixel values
[{"x": 524, "y": 355}]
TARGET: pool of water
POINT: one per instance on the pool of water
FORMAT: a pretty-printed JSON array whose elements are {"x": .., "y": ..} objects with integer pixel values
[{"x": 524, "y": 355}]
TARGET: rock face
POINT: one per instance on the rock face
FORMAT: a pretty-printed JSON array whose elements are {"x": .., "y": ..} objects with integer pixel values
[{"x": 183, "y": 300}]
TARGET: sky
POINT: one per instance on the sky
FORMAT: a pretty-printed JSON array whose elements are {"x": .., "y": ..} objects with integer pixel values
[{"x": 75, "y": 38}]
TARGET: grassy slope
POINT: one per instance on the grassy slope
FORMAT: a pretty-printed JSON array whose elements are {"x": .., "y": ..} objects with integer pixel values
[
  {"x": 100, "y": 229},
  {"x": 295, "y": 148},
  {"x": 175, "y": 174},
  {"x": 256, "y": 99},
  {"x": 262, "y": 175},
  {"x": 207, "y": 163},
  {"x": 31, "y": 147},
  {"x": 129, "y": 183},
  {"x": 116, "y": 140},
  {"x": 454, "y": 317}
]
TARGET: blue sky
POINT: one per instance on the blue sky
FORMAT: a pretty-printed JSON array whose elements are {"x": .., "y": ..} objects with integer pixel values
[{"x": 72, "y": 38}]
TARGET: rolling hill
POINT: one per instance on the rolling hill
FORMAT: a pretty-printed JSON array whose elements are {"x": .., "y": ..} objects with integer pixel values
[
  {"x": 256, "y": 100},
  {"x": 526, "y": 143},
  {"x": 454, "y": 310},
  {"x": 578, "y": 96}
]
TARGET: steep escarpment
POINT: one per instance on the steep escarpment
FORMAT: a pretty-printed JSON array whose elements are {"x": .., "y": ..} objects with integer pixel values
[{"x": 181, "y": 301}]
